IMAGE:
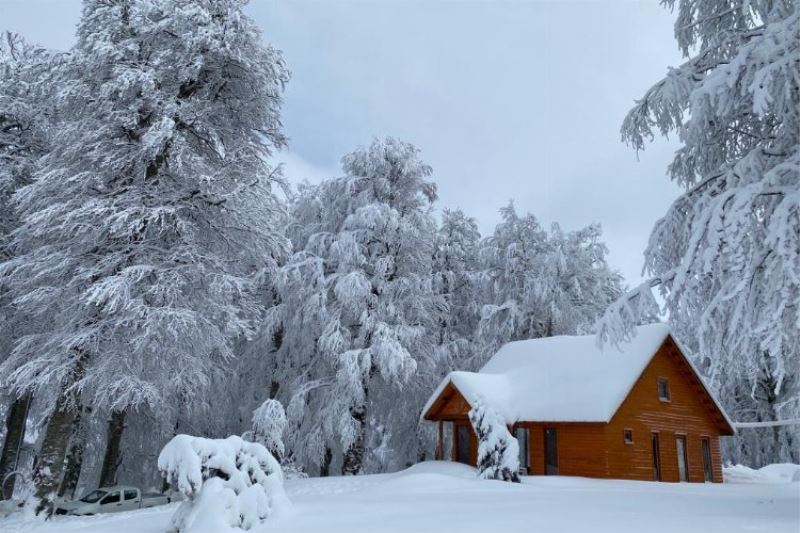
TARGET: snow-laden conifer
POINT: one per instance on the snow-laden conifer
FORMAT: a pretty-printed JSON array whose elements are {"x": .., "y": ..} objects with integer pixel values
[{"x": 498, "y": 450}]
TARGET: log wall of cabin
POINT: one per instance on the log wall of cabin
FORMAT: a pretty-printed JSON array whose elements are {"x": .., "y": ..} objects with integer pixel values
[
  {"x": 689, "y": 412},
  {"x": 581, "y": 448}
]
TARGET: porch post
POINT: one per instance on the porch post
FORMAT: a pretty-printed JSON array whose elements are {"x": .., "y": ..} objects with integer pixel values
[{"x": 440, "y": 442}]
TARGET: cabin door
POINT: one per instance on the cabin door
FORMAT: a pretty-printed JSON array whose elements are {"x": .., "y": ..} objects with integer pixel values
[
  {"x": 550, "y": 452},
  {"x": 462, "y": 443}
]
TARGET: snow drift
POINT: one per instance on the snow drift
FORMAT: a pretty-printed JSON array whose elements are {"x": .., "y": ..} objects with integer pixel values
[{"x": 774, "y": 473}]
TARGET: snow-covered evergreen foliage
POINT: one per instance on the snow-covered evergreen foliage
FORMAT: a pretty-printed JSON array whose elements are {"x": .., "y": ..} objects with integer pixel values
[
  {"x": 726, "y": 256},
  {"x": 226, "y": 482},
  {"x": 498, "y": 450}
]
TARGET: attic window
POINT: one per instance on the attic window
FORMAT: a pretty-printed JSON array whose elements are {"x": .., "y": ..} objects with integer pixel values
[
  {"x": 663, "y": 389},
  {"x": 628, "y": 436}
]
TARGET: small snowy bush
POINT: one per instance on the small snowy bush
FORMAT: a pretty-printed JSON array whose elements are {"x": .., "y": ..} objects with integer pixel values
[
  {"x": 498, "y": 450},
  {"x": 269, "y": 426},
  {"x": 227, "y": 483}
]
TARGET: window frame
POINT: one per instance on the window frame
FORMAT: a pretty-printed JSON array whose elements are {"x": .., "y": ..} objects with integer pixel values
[
  {"x": 682, "y": 437},
  {"x": 668, "y": 394},
  {"x": 526, "y": 465},
  {"x": 626, "y": 433}
]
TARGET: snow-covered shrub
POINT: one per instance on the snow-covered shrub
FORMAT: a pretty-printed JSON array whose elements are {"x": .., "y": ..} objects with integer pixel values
[
  {"x": 269, "y": 426},
  {"x": 498, "y": 450},
  {"x": 227, "y": 483}
]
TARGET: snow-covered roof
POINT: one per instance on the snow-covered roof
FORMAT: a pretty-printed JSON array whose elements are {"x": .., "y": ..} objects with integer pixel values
[{"x": 564, "y": 379}]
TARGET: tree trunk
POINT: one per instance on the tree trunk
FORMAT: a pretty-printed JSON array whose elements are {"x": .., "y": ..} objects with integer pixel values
[
  {"x": 15, "y": 436},
  {"x": 50, "y": 465},
  {"x": 111, "y": 460},
  {"x": 60, "y": 426},
  {"x": 74, "y": 460},
  {"x": 354, "y": 456},
  {"x": 325, "y": 467}
]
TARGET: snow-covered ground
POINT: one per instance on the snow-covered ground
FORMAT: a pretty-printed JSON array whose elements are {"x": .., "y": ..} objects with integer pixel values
[{"x": 442, "y": 497}]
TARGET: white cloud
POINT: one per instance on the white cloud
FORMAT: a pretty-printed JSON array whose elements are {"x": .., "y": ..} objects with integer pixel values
[{"x": 296, "y": 169}]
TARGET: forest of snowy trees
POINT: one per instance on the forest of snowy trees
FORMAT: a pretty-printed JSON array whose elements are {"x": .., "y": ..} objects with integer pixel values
[{"x": 160, "y": 276}]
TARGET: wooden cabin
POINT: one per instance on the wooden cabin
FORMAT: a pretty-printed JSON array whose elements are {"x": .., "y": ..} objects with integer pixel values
[{"x": 640, "y": 411}]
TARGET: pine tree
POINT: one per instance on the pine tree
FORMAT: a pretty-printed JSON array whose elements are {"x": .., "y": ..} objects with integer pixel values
[
  {"x": 498, "y": 451},
  {"x": 726, "y": 256}
]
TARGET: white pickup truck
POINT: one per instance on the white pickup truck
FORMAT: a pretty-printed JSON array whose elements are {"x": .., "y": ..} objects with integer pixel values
[{"x": 111, "y": 500}]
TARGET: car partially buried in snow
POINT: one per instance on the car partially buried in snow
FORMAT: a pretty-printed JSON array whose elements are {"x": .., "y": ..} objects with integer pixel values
[{"x": 111, "y": 500}]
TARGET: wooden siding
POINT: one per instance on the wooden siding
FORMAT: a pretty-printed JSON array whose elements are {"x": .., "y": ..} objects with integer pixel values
[
  {"x": 689, "y": 412},
  {"x": 581, "y": 448}
]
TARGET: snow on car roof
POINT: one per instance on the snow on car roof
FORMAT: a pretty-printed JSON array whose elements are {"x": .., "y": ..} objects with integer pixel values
[{"x": 564, "y": 379}]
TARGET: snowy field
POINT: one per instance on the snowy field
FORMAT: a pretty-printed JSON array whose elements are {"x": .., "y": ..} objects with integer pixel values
[{"x": 440, "y": 497}]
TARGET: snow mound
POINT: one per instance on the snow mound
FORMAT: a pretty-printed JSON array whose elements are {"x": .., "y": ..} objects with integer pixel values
[
  {"x": 442, "y": 468},
  {"x": 775, "y": 473},
  {"x": 228, "y": 483}
]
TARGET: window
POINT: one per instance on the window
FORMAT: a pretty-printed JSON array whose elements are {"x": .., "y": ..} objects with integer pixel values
[
  {"x": 628, "y": 436},
  {"x": 550, "y": 452},
  {"x": 683, "y": 463},
  {"x": 462, "y": 444},
  {"x": 93, "y": 496},
  {"x": 663, "y": 389},
  {"x": 522, "y": 435},
  {"x": 656, "y": 457},
  {"x": 130, "y": 494},
  {"x": 111, "y": 498}
]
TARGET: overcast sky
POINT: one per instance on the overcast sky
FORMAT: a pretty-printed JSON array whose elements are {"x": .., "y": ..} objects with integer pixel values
[{"x": 508, "y": 100}]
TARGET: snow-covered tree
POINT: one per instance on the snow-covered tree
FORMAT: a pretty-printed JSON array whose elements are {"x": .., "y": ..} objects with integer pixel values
[
  {"x": 269, "y": 427},
  {"x": 539, "y": 284},
  {"x": 357, "y": 303},
  {"x": 24, "y": 113},
  {"x": 226, "y": 483},
  {"x": 498, "y": 450},
  {"x": 726, "y": 256},
  {"x": 456, "y": 280},
  {"x": 150, "y": 219}
]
